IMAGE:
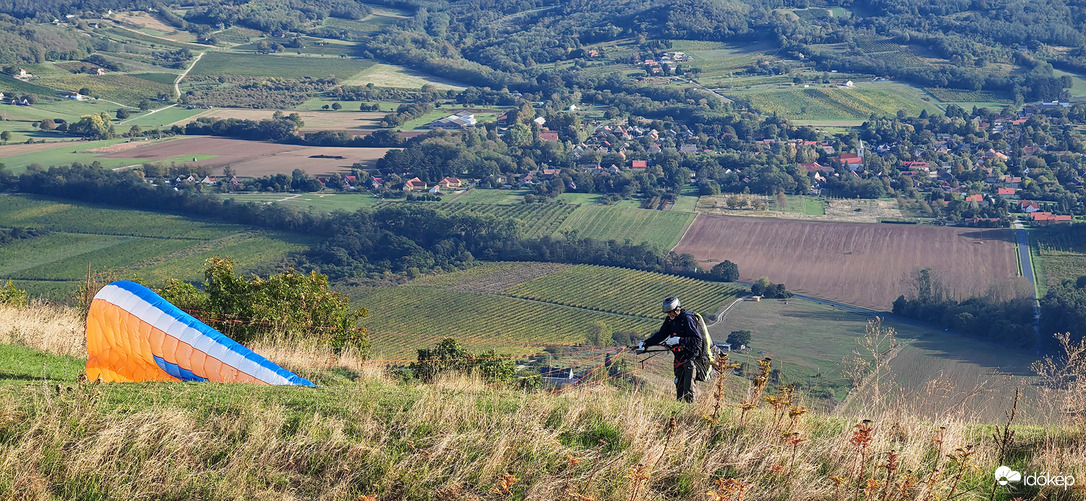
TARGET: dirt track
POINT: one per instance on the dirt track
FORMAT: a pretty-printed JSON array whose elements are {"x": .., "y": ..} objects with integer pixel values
[{"x": 854, "y": 263}]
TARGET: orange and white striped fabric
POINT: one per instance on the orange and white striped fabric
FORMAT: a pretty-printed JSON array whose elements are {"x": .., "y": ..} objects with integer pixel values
[{"x": 134, "y": 334}]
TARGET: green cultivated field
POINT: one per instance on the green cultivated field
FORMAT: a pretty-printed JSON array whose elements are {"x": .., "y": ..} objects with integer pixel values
[
  {"x": 221, "y": 63},
  {"x": 65, "y": 154},
  {"x": 1059, "y": 253},
  {"x": 327, "y": 202},
  {"x": 623, "y": 291},
  {"x": 409, "y": 317},
  {"x": 719, "y": 61},
  {"x": 539, "y": 304},
  {"x": 662, "y": 229},
  {"x": 535, "y": 220},
  {"x": 800, "y": 204},
  {"x": 122, "y": 243},
  {"x": 822, "y": 104}
]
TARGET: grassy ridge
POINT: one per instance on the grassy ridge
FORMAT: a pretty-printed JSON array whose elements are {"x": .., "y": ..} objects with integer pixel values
[{"x": 362, "y": 434}]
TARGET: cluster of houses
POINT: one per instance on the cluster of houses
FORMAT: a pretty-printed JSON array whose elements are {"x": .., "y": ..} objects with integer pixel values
[
  {"x": 665, "y": 63},
  {"x": 416, "y": 184}
]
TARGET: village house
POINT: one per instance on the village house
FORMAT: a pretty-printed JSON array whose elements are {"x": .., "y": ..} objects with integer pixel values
[
  {"x": 449, "y": 182},
  {"x": 1006, "y": 192},
  {"x": 414, "y": 184},
  {"x": 1049, "y": 218}
]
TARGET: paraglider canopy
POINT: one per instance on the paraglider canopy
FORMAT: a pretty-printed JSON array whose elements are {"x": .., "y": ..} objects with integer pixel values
[{"x": 134, "y": 334}]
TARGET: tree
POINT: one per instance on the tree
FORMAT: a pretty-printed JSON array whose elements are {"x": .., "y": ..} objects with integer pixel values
[
  {"x": 5, "y": 136},
  {"x": 298, "y": 305},
  {"x": 47, "y": 124},
  {"x": 599, "y": 333},
  {"x": 85, "y": 91},
  {"x": 123, "y": 114},
  {"x": 726, "y": 271},
  {"x": 739, "y": 338},
  {"x": 336, "y": 106},
  {"x": 144, "y": 105},
  {"x": 96, "y": 126}
]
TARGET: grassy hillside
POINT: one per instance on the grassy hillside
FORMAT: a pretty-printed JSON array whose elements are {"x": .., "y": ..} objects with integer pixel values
[{"x": 361, "y": 434}]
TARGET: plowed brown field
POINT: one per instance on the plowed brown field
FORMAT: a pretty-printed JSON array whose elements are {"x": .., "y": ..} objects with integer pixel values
[
  {"x": 256, "y": 158},
  {"x": 855, "y": 263}
]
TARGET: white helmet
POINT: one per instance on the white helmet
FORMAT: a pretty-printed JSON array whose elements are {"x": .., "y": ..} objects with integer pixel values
[{"x": 671, "y": 303}]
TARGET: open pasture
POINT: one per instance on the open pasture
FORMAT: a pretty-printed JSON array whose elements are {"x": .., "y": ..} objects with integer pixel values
[
  {"x": 313, "y": 120},
  {"x": 854, "y": 263},
  {"x": 254, "y": 158},
  {"x": 284, "y": 66}
]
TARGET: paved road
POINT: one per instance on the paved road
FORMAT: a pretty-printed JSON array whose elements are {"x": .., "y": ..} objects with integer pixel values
[{"x": 1026, "y": 261}]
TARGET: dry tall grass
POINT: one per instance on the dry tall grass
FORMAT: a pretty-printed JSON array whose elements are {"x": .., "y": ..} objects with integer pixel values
[{"x": 458, "y": 438}]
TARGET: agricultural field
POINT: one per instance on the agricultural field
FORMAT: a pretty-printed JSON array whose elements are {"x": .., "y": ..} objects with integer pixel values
[
  {"x": 162, "y": 118},
  {"x": 661, "y": 229},
  {"x": 967, "y": 97},
  {"x": 535, "y": 220},
  {"x": 251, "y": 158},
  {"x": 65, "y": 153},
  {"x": 622, "y": 291},
  {"x": 121, "y": 243},
  {"x": 808, "y": 342},
  {"x": 1078, "y": 83},
  {"x": 403, "y": 319},
  {"x": 345, "y": 119},
  {"x": 283, "y": 66},
  {"x": 118, "y": 87},
  {"x": 719, "y": 62},
  {"x": 799, "y": 204},
  {"x": 835, "y": 105},
  {"x": 387, "y": 75},
  {"x": 1058, "y": 256},
  {"x": 863, "y": 264},
  {"x": 325, "y": 202},
  {"x": 535, "y": 304}
]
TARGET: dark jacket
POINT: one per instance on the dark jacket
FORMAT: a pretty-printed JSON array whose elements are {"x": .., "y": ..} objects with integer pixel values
[{"x": 685, "y": 326}]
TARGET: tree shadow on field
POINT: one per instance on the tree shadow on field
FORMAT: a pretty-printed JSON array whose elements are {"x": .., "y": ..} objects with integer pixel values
[{"x": 999, "y": 234}]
